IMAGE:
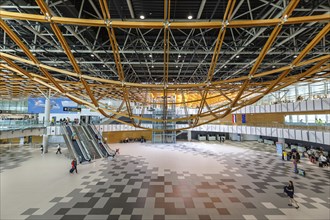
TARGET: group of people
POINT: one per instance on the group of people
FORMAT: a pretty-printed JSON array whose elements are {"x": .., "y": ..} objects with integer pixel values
[
  {"x": 318, "y": 121},
  {"x": 127, "y": 140},
  {"x": 318, "y": 156},
  {"x": 66, "y": 121}
]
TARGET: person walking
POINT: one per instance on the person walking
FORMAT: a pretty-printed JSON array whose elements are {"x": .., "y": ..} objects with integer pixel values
[
  {"x": 295, "y": 165},
  {"x": 74, "y": 166},
  {"x": 58, "y": 149},
  {"x": 289, "y": 190}
]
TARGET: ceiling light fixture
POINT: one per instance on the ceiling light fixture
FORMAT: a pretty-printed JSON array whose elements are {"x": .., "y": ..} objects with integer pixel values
[
  {"x": 190, "y": 17},
  {"x": 142, "y": 17},
  {"x": 92, "y": 55},
  {"x": 237, "y": 56},
  {"x": 273, "y": 67},
  {"x": 179, "y": 55},
  {"x": 152, "y": 66},
  {"x": 176, "y": 66},
  {"x": 150, "y": 55},
  {"x": 295, "y": 56}
]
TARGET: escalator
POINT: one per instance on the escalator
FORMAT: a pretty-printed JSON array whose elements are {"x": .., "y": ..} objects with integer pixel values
[
  {"x": 79, "y": 151},
  {"x": 69, "y": 144},
  {"x": 105, "y": 149},
  {"x": 87, "y": 142}
]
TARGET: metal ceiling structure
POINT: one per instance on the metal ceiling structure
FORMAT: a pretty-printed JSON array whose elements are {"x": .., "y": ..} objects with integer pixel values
[{"x": 227, "y": 55}]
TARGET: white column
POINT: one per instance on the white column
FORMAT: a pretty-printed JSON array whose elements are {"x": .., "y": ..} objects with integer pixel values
[
  {"x": 46, "y": 124},
  {"x": 189, "y": 135},
  {"x": 45, "y": 143},
  {"x": 21, "y": 141},
  {"x": 47, "y": 112}
]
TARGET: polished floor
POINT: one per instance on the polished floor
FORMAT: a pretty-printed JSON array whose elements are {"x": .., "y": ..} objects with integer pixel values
[{"x": 186, "y": 180}]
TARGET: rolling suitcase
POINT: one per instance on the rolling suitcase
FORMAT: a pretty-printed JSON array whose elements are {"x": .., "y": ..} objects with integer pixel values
[{"x": 301, "y": 172}]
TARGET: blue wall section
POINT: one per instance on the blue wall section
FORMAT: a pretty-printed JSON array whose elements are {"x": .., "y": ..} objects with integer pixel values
[{"x": 37, "y": 105}]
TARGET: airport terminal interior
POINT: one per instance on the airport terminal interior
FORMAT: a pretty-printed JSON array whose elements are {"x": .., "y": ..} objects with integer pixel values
[{"x": 164, "y": 109}]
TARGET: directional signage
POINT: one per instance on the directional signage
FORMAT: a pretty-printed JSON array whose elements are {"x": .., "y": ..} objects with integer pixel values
[{"x": 71, "y": 109}]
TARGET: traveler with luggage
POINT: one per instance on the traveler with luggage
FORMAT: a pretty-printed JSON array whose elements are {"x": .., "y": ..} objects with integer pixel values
[{"x": 74, "y": 166}]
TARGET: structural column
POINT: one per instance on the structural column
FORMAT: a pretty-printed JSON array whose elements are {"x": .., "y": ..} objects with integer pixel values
[
  {"x": 189, "y": 135},
  {"x": 46, "y": 124}
]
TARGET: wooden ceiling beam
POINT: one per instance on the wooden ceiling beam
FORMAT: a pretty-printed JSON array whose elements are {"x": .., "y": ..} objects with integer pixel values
[{"x": 159, "y": 24}]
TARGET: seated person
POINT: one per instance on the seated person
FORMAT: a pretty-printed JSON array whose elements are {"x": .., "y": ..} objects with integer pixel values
[{"x": 323, "y": 160}]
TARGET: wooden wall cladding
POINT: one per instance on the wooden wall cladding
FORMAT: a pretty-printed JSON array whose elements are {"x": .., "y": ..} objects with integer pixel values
[{"x": 117, "y": 136}]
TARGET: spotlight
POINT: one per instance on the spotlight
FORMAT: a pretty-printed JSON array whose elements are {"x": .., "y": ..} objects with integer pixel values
[
  {"x": 295, "y": 56},
  {"x": 273, "y": 67},
  {"x": 152, "y": 66},
  {"x": 237, "y": 56},
  {"x": 190, "y": 17},
  {"x": 150, "y": 55},
  {"x": 142, "y": 17},
  {"x": 179, "y": 55},
  {"x": 176, "y": 66},
  {"x": 92, "y": 55}
]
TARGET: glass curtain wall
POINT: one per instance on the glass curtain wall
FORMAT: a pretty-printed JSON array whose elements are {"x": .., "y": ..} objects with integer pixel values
[
  {"x": 298, "y": 92},
  {"x": 14, "y": 106}
]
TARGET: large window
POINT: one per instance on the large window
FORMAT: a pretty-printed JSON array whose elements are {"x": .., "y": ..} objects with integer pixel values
[
  {"x": 299, "y": 91},
  {"x": 315, "y": 119}
]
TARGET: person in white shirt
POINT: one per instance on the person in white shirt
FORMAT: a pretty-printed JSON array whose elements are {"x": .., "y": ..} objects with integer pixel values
[
  {"x": 323, "y": 160},
  {"x": 58, "y": 149}
]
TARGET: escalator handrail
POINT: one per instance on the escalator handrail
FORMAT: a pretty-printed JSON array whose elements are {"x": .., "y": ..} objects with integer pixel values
[
  {"x": 70, "y": 144},
  {"x": 80, "y": 157},
  {"x": 100, "y": 135},
  {"x": 85, "y": 138},
  {"x": 102, "y": 148},
  {"x": 92, "y": 140},
  {"x": 82, "y": 147}
]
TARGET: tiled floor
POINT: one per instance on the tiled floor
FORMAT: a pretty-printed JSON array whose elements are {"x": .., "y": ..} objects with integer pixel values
[{"x": 193, "y": 180}]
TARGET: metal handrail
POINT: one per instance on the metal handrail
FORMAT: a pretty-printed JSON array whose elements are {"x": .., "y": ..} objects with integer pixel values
[
  {"x": 82, "y": 147},
  {"x": 70, "y": 143},
  {"x": 91, "y": 139},
  {"x": 102, "y": 139}
]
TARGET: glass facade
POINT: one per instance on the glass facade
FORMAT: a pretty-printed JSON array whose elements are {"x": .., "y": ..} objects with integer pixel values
[
  {"x": 14, "y": 106},
  {"x": 311, "y": 119},
  {"x": 298, "y": 92}
]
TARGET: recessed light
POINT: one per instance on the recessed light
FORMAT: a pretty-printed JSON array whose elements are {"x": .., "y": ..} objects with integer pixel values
[
  {"x": 225, "y": 66},
  {"x": 176, "y": 66},
  {"x": 142, "y": 17},
  {"x": 190, "y": 17},
  {"x": 92, "y": 55},
  {"x": 179, "y": 55},
  {"x": 150, "y": 55},
  {"x": 152, "y": 66},
  {"x": 237, "y": 56}
]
